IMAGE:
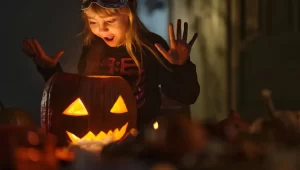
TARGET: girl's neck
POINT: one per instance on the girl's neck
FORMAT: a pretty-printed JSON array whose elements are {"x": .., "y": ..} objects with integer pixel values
[{"x": 121, "y": 45}]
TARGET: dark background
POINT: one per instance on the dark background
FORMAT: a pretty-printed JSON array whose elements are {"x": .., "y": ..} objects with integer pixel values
[
  {"x": 55, "y": 24},
  {"x": 269, "y": 55}
]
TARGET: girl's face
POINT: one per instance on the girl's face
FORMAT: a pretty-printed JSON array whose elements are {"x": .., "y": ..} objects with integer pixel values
[{"x": 112, "y": 29}]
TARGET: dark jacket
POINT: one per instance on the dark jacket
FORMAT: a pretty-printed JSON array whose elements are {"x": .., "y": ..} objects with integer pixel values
[{"x": 180, "y": 84}]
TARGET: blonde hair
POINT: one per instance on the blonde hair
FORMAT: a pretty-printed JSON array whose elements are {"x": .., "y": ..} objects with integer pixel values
[{"x": 133, "y": 40}]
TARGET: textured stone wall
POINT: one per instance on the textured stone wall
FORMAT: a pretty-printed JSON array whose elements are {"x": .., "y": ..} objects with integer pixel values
[{"x": 208, "y": 18}]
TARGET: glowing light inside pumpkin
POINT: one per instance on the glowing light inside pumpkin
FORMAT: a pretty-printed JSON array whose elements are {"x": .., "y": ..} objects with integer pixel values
[
  {"x": 155, "y": 125},
  {"x": 119, "y": 107},
  {"x": 77, "y": 108},
  {"x": 90, "y": 136}
]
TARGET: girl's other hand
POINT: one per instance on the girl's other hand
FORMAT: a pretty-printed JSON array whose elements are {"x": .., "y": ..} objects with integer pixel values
[{"x": 179, "y": 48}]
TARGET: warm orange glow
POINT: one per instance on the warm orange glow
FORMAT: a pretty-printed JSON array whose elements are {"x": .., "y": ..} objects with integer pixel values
[
  {"x": 77, "y": 108},
  {"x": 64, "y": 154},
  {"x": 155, "y": 125},
  {"x": 101, "y": 77},
  {"x": 116, "y": 135},
  {"x": 119, "y": 107}
]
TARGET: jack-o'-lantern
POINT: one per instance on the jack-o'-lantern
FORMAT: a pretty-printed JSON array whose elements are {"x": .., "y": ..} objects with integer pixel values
[{"x": 88, "y": 108}]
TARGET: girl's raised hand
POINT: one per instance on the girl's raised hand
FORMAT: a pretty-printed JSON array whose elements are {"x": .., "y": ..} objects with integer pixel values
[
  {"x": 33, "y": 49},
  {"x": 179, "y": 51}
]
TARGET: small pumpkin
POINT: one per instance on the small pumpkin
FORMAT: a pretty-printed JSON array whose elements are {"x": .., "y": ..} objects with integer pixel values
[
  {"x": 79, "y": 108},
  {"x": 230, "y": 127},
  {"x": 15, "y": 116}
]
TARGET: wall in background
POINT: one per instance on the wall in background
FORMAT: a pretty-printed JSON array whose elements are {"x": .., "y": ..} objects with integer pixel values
[{"x": 55, "y": 24}]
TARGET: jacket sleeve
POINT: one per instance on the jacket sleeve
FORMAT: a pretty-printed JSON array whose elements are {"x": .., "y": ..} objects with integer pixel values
[
  {"x": 47, "y": 73},
  {"x": 180, "y": 82}
]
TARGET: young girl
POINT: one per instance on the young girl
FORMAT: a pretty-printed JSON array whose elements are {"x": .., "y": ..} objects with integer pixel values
[{"x": 117, "y": 43}]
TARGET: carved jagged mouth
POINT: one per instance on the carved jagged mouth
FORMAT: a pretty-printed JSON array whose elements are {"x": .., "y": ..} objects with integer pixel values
[{"x": 90, "y": 136}]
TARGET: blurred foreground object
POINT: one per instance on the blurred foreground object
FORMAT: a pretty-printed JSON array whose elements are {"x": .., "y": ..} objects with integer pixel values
[
  {"x": 175, "y": 134},
  {"x": 289, "y": 119},
  {"x": 230, "y": 127},
  {"x": 26, "y": 148},
  {"x": 282, "y": 125},
  {"x": 15, "y": 116}
]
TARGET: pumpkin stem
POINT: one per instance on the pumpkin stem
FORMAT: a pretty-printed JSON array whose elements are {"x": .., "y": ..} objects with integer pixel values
[{"x": 269, "y": 105}]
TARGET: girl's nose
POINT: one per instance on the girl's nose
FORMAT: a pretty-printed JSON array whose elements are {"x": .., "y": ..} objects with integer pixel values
[{"x": 103, "y": 28}]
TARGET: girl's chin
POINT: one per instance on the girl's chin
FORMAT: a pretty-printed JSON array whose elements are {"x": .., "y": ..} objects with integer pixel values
[{"x": 110, "y": 42}]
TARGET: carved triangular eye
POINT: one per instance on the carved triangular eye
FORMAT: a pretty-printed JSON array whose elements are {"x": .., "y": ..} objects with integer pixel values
[
  {"x": 119, "y": 107},
  {"x": 77, "y": 108}
]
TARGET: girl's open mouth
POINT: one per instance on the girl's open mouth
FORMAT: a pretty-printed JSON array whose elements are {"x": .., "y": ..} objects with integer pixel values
[{"x": 109, "y": 38}]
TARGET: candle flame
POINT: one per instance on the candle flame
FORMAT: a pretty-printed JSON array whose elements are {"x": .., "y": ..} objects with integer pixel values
[{"x": 155, "y": 125}]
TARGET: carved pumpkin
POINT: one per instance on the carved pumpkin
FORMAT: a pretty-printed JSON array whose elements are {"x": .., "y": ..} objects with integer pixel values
[{"x": 87, "y": 108}]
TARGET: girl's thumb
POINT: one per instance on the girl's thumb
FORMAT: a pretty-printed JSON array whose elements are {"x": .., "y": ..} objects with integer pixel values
[{"x": 58, "y": 55}]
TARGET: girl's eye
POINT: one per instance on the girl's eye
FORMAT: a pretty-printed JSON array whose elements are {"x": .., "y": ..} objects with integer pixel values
[
  {"x": 92, "y": 23},
  {"x": 111, "y": 21}
]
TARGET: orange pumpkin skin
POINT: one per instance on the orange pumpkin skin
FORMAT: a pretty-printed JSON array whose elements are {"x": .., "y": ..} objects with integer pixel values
[{"x": 98, "y": 94}]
